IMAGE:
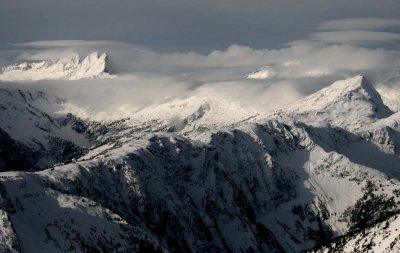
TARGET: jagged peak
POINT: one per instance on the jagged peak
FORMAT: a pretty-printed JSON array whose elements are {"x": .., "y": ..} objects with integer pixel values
[{"x": 94, "y": 65}]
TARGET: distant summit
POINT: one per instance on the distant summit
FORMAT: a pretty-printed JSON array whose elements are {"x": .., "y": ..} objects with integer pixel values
[
  {"x": 348, "y": 103},
  {"x": 262, "y": 73},
  {"x": 72, "y": 68}
]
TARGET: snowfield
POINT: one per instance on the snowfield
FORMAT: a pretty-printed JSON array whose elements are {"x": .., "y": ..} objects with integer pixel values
[{"x": 200, "y": 173}]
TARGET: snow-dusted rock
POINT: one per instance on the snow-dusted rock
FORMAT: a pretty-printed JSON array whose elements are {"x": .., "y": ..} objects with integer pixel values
[{"x": 382, "y": 237}]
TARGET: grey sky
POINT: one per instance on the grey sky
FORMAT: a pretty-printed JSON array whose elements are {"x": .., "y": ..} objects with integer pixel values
[{"x": 181, "y": 25}]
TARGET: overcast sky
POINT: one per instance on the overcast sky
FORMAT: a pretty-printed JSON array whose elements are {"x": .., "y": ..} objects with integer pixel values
[{"x": 184, "y": 25}]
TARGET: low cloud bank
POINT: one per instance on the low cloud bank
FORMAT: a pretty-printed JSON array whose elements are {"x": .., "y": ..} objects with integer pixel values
[{"x": 146, "y": 77}]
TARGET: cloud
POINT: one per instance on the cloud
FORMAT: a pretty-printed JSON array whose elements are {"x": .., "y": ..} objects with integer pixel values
[
  {"x": 299, "y": 60},
  {"x": 359, "y": 24},
  {"x": 147, "y": 78},
  {"x": 355, "y": 37},
  {"x": 357, "y": 31}
]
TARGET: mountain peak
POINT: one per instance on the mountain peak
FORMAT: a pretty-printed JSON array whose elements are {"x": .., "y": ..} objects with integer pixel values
[
  {"x": 335, "y": 103},
  {"x": 262, "y": 73},
  {"x": 352, "y": 84},
  {"x": 94, "y": 65}
]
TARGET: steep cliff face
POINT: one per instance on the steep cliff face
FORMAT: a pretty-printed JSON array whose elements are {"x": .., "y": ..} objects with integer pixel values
[{"x": 322, "y": 174}]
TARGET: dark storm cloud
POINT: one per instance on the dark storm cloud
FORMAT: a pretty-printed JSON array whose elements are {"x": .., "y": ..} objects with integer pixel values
[{"x": 180, "y": 25}]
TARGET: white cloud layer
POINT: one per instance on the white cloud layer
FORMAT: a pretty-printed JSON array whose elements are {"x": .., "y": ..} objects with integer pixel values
[
  {"x": 356, "y": 37},
  {"x": 302, "y": 59},
  {"x": 359, "y": 24}
]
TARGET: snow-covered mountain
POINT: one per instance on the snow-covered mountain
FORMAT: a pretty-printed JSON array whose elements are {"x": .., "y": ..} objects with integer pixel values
[
  {"x": 71, "y": 68},
  {"x": 262, "y": 73},
  {"x": 349, "y": 103},
  {"x": 321, "y": 175}
]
